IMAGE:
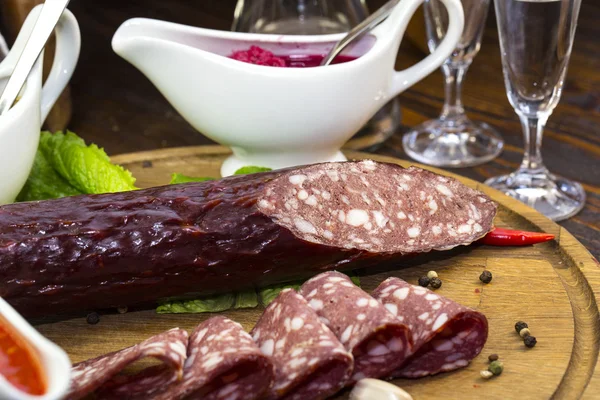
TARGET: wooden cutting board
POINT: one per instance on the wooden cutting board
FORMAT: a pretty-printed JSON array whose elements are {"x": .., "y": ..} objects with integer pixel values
[{"x": 552, "y": 286}]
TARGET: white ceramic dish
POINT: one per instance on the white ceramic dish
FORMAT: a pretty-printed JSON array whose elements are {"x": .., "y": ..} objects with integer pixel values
[
  {"x": 20, "y": 126},
  {"x": 277, "y": 117},
  {"x": 55, "y": 362}
]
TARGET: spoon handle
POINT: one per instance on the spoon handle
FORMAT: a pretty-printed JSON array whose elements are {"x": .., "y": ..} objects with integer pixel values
[
  {"x": 360, "y": 30},
  {"x": 43, "y": 28}
]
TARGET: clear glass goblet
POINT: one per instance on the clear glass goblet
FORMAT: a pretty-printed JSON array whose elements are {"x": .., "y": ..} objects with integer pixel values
[
  {"x": 318, "y": 17},
  {"x": 536, "y": 38},
  {"x": 452, "y": 140},
  {"x": 298, "y": 17}
]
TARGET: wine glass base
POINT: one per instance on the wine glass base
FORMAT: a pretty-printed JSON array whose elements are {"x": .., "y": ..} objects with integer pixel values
[
  {"x": 555, "y": 197},
  {"x": 453, "y": 144}
]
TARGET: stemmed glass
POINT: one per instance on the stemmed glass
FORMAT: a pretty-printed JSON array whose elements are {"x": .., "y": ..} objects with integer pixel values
[
  {"x": 298, "y": 17},
  {"x": 452, "y": 140},
  {"x": 536, "y": 37}
]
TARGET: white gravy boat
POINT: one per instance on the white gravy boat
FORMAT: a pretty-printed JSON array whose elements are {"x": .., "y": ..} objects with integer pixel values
[
  {"x": 277, "y": 117},
  {"x": 20, "y": 125}
]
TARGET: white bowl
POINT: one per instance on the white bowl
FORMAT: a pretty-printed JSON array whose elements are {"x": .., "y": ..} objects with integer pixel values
[{"x": 56, "y": 365}]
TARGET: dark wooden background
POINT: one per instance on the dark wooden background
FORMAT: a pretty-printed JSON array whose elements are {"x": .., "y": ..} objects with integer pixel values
[{"x": 116, "y": 107}]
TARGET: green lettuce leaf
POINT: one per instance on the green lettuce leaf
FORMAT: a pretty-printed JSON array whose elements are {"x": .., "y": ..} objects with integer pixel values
[
  {"x": 86, "y": 168},
  {"x": 45, "y": 183},
  {"x": 209, "y": 304},
  {"x": 65, "y": 166},
  {"x": 180, "y": 178},
  {"x": 268, "y": 294},
  {"x": 355, "y": 279},
  {"x": 251, "y": 170},
  {"x": 246, "y": 299}
]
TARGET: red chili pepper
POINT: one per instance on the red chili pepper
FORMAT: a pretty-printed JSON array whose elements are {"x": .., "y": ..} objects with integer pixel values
[{"x": 509, "y": 237}]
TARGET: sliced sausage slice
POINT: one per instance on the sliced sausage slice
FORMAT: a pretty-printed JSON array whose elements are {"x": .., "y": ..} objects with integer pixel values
[
  {"x": 375, "y": 337},
  {"x": 445, "y": 334},
  {"x": 169, "y": 347},
  {"x": 223, "y": 363},
  {"x": 310, "y": 363}
]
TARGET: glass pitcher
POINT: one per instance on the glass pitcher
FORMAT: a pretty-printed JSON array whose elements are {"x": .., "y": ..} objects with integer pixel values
[{"x": 318, "y": 17}]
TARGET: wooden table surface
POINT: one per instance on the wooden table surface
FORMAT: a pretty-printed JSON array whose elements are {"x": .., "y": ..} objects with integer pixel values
[{"x": 115, "y": 106}]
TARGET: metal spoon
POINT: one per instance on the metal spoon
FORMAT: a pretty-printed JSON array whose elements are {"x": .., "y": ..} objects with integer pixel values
[
  {"x": 360, "y": 30},
  {"x": 43, "y": 28}
]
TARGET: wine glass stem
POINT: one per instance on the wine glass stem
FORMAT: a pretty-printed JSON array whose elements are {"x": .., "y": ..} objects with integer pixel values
[
  {"x": 453, "y": 79},
  {"x": 533, "y": 129}
]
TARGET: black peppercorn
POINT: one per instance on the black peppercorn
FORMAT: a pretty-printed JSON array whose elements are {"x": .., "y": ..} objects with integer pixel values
[
  {"x": 93, "y": 318},
  {"x": 424, "y": 281},
  {"x": 485, "y": 277},
  {"x": 520, "y": 325},
  {"x": 435, "y": 283},
  {"x": 493, "y": 357},
  {"x": 530, "y": 341}
]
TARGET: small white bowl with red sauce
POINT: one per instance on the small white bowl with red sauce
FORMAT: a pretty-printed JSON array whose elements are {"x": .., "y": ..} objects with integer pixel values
[
  {"x": 272, "y": 116},
  {"x": 31, "y": 366}
]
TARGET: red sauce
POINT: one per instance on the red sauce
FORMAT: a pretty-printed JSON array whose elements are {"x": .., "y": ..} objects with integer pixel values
[
  {"x": 259, "y": 56},
  {"x": 19, "y": 364}
]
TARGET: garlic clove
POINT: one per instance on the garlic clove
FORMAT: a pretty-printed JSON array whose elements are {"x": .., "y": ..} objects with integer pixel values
[{"x": 376, "y": 389}]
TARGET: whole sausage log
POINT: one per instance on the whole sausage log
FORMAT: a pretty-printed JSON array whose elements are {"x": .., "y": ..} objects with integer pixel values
[{"x": 122, "y": 249}]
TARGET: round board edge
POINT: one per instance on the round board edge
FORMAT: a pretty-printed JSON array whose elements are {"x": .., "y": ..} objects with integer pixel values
[{"x": 578, "y": 278}]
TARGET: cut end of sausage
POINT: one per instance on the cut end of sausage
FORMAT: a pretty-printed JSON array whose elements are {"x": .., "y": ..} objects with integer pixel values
[{"x": 377, "y": 207}]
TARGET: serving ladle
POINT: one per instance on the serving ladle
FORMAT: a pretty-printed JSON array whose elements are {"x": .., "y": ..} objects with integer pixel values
[
  {"x": 360, "y": 30},
  {"x": 43, "y": 28}
]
